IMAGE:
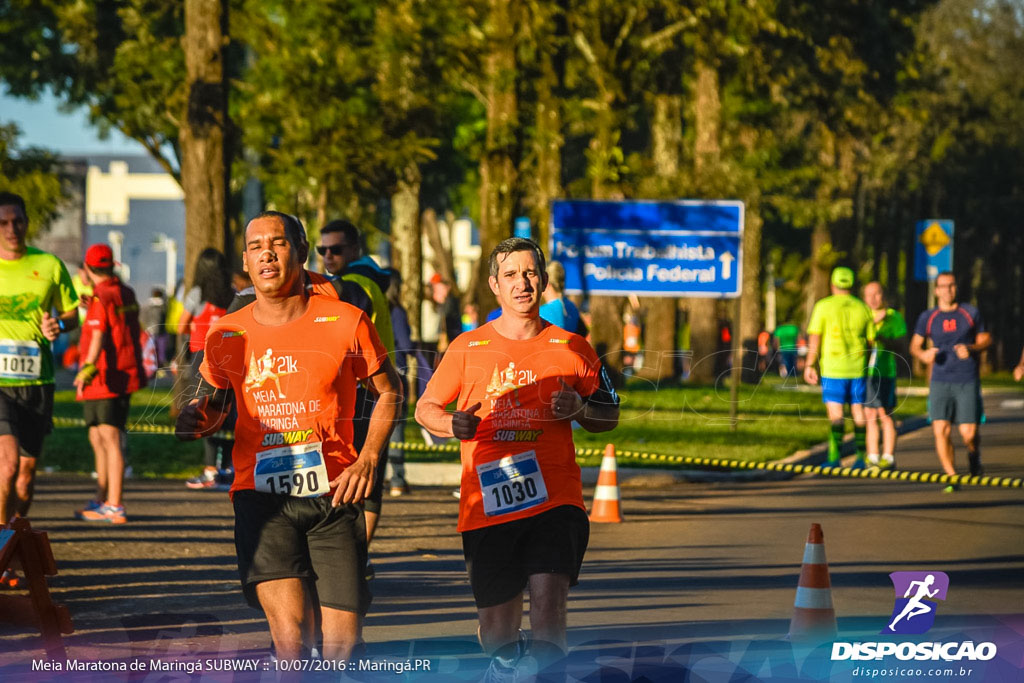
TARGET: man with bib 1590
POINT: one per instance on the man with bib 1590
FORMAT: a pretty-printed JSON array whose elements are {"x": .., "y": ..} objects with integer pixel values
[
  {"x": 519, "y": 383},
  {"x": 292, "y": 361}
]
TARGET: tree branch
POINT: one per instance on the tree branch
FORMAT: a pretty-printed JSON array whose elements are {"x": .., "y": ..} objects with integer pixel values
[
  {"x": 154, "y": 150},
  {"x": 656, "y": 41}
]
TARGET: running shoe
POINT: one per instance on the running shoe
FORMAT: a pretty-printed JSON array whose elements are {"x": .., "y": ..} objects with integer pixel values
[
  {"x": 91, "y": 506},
  {"x": 508, "y": 669},
  {"x": 399, "y": 488},
  {"x": 113, "y": 514},
  {"x": 223, "y": 480},
  {"x": 9, "y": 579},
  {"x": 974, "y": 461},
  {"x": 952, "y": 488},
  {"x": 858, "y": 465},
  {"x": 830, "y": 463},
  {"x": 887, "y": 462},
  {"x": 206, "y": 480},
  {"x": 873, "y": 459},
  {"x": 498, "y": 672}
]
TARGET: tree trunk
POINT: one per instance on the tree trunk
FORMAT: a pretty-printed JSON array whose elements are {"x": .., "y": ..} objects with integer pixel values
[
  {"x": 548, "y": 146},
  {"x": 204, "y": 171},
  {"x": 661, "y": 319},
  {"x": 703, "y": 318},
  {"x": 667, "y": 134},
  {"x": 407, "y": 246},
  {"x": 606, "y": 326},
  {"x": 821, "y": 262},
  {"x": 750, "y": 322},
  {"x": 497, "y": 168},
  {"x": 707, "y": 112},
  {"x": 707, "y": 115},
  {"x": 444, "y": 261},
  {"x": 321, "y": 204}
]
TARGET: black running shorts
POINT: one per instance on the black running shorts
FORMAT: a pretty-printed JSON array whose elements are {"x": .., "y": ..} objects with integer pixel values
[
  {"x": 500, "y": 559},
  {"x": 26, "y": 413},
  {"x": 881, "y": 392},
  {"x": 281, "y": 537},
  {"x": 107, "y": 411}
]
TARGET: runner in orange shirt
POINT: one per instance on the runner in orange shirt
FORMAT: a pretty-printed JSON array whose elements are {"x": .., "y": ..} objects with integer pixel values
[
  {"x": 292, "y": 362},
  {"x": 519, "y": 383}
]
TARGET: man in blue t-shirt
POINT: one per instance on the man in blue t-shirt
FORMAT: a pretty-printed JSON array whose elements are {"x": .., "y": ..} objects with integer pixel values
[{"x": 958, "y": 335}]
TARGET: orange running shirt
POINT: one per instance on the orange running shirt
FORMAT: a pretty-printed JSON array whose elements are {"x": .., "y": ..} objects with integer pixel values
[
  {"x": 320, "y": 284},
  {"x": 295, "y": 388},
  {"x": 522, "y": 460}
]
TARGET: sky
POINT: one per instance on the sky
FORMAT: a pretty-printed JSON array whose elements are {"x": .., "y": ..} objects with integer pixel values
[{"x": 42, "y": 124}]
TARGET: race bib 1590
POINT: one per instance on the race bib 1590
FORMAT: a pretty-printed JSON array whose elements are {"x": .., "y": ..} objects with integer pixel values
[{"x": 292, "y": 471}]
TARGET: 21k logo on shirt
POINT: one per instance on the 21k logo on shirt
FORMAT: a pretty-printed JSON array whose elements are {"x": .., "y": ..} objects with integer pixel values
[{"x": 269, "y": 368}]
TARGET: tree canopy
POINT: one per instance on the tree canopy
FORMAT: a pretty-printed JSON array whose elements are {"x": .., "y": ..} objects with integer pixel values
[{"x": 839, "y": 124}]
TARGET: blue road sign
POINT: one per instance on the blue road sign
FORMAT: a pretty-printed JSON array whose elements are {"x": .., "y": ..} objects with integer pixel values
[
  {"x": 681, "y": 248},
  {"x": 933, "y": 252},
  {"x": 521, "y": 227}
]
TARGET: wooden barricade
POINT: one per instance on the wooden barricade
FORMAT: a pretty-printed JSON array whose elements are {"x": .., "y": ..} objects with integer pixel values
[{"x": 29, "y": 552}]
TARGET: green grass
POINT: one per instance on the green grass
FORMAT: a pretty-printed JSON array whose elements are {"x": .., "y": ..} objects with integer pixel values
[
  {"x": 773, "y": 422},
  {"x": 67, "y": 449}
]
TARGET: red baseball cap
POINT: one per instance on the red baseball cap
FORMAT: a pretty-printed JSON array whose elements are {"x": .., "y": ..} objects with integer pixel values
[
  {"x": 99, "y": 256},
  {"x": 436, "y": 279}
]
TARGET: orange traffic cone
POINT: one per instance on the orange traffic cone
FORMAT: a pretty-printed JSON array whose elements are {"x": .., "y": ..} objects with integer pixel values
[
  {"x": 814, "y": 618},
  {"x": 606, "y": 495}
]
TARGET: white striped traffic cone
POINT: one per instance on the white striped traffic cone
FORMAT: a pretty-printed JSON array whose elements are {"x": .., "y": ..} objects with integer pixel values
[
  {"x": 814, "y": 617},
  {"x": 606, "y": 495}
]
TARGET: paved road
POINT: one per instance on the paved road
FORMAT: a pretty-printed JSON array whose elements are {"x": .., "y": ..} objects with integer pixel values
[{"x": 692, "y": 562}]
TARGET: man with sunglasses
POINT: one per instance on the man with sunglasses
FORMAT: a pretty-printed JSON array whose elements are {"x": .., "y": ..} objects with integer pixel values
[{"x": 341, "y": 250}]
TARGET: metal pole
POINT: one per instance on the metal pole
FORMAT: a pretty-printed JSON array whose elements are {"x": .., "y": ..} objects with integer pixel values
[{"x": 737, "y": 365}]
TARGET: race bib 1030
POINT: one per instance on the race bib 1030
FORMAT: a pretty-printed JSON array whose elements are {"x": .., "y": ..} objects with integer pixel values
[{"x": 511, "y": 484}]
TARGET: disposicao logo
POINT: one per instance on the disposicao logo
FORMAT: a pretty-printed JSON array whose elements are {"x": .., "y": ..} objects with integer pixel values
[
  {"x": 913, "y": 613},
  {"x": 914, "y": 609}
]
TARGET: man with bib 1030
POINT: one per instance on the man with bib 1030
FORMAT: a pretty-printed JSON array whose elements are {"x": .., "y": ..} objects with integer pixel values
[
  {"x": 519, "y": 383},
  {"x": 291, "y": 362}
]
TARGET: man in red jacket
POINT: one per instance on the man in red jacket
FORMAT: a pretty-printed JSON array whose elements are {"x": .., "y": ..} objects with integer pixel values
[{"x": 111, "y": 370}]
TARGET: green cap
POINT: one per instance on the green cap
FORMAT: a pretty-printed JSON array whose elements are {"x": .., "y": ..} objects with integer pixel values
[{"x": 842, "y": 277}]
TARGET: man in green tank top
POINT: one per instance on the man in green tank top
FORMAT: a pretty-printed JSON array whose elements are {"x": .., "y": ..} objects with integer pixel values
[{"x": 890, "y": 334}]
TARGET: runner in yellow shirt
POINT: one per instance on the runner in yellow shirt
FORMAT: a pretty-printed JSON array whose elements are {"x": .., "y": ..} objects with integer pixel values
[
  {"x": 841, "y": 329},
  {"x": 33, "y": 285}
]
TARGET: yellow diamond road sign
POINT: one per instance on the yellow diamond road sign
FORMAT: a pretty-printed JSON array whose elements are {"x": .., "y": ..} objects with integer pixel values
[{"x": 934, "y": 239}]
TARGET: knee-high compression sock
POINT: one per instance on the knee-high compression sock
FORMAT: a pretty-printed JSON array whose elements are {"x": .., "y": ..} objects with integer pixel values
[
  {"x": 835, "y": 439},
  {"x": 974, "y": 458},
  {"x": 860, "y": 439}
]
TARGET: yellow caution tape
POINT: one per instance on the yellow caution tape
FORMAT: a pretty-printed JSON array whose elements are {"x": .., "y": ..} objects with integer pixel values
[{"x": 723, "y": 463}]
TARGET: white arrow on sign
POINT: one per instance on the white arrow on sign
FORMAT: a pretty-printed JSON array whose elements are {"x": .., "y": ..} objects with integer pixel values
[{"x": 726, "y": 258}]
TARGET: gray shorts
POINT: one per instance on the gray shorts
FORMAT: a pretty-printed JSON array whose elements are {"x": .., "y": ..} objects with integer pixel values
[{"x": 957, "y": 402}]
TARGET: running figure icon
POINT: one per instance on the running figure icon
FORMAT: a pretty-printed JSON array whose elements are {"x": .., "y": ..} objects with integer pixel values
[{"x": 915, "y": 606}]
